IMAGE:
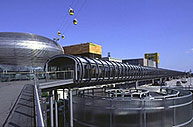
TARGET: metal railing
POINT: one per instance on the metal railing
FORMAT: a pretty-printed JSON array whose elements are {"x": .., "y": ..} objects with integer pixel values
[
  {"x": 55, "y": 75},
  {"x": 52, "y": 75},
  {"x": 38, "y": 110},
  {"x": 15, "y": 76},
  {"x": 89, "y": 108}
]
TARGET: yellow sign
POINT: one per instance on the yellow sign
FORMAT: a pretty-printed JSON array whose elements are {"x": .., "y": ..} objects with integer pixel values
[
  {"x": 96, "y": 49},
  {"x": 152, "y": 56}
]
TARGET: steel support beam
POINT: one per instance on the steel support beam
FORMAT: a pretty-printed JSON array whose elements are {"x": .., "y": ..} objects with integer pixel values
[
  {"x": 44, "y": 110},
  {"x": 136, "y": 84},
  {"x": 64, "y": 110},
  {"x": 46, "y": 75},
  {"x": 51, "y": 109},
  {"x": 56, "y": 107},
  {"x": 153, "y": 81},
  {"x": 71, "y": 108}
]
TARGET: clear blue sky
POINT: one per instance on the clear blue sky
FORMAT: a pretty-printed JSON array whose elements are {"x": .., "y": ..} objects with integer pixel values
[{"x": 126, "y": 28}]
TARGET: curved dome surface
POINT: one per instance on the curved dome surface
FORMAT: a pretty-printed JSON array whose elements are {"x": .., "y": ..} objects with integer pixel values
[{"x": 25, "y": 49}]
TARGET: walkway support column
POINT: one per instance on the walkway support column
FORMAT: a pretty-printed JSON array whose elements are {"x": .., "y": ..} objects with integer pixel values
[
  {"x": 153, "y": 81},
  {"x": 64, "y": 109},
  {"x": 136, "y": 84},
  {"x": 56, "y": 107},
  {"x": 51, "y": 109},
  {"x": 71, "y": 108}
]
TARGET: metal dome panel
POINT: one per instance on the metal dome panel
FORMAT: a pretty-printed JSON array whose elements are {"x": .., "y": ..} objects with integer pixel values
[{"x": 25, "y": 49}]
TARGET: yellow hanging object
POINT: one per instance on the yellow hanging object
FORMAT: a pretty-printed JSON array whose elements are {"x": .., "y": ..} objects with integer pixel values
[
  {"x": 71, "y": 11},
  {"x": 75, "y": 21},
  {"x": 59, "y": 33},
  {"x": 63, "y": 36}
]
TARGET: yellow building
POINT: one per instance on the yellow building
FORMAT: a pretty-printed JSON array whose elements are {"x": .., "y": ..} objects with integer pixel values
[
  {"x": 90, "y": 50},
  {"x": 153, "y": 56}
]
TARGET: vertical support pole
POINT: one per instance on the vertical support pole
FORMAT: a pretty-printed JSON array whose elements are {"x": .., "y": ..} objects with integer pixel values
[
  {"x": 153, "y": 81},
  {"x": 63, "y": 93},
  {"x": 64, "y": 110},
  {"x": 44, "y": 110},
  {"x": 136, "y": 84},
  {"x": 56, "y": 107},
  {"x": 43, "y": 106},
  {"x": 115, "y": 93},
  {"x": 51, "y": 109},
  {"x": 46, "y": 72},
  {"x": 75, "y": 71},
  {"x": 71, "y": 108},
  {"x": 160, "y": 80},
  {"x": 160, "y": 83}
]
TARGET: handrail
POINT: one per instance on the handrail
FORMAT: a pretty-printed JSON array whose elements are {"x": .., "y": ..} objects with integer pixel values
[
  {"x": 14, "y": 76},
  {"x": 38, "y": 110},
  {"x": 38, "y": 72}
]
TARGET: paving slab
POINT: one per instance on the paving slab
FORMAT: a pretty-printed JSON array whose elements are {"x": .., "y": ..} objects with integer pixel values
[{"x": 9, "y": 95}]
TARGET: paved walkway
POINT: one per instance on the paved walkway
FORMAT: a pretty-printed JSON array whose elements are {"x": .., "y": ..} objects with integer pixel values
[{"x": 10, "y": 93}]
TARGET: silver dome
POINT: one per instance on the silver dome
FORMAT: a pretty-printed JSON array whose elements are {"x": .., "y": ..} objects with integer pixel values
[{"x": 21, "y": 51}]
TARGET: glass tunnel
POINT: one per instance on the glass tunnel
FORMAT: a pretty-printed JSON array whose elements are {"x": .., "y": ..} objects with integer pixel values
[{"x": 88, "y": 70}]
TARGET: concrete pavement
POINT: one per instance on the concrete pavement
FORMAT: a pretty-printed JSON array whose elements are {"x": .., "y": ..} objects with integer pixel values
[{"x": 10, "y": 93}]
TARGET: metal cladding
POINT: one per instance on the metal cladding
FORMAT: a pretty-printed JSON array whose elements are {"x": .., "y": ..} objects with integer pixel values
[
  {"x": 132, "y": 108},
  {"x": 20, "y": 51},
  {"x": 90, "y": 71}
]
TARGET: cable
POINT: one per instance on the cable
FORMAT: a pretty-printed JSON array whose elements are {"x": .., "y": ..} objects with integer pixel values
[
  {"x": 81, "y": 8},
  {"x": 65, "y": 23},
  {"x": 66, "y": 3},
  {"x": 76, "y": 14},
  {"x": 66, "y": 15}
]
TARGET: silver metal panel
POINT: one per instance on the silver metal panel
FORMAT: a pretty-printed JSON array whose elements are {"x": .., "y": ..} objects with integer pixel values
[
  {"x": 98, "y": 109},
  {"x": 18, "y": 50},
  {"x": 57, "y": 83}
]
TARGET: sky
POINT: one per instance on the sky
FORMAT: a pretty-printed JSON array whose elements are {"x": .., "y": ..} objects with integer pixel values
[{"x": 125, "y": 28}]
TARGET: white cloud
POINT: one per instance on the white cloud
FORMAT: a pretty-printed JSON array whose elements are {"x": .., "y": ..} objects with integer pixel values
[{"x": 189, "y": 51}]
